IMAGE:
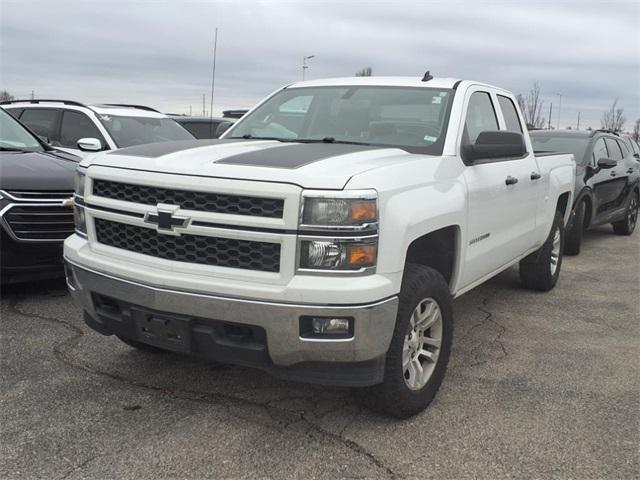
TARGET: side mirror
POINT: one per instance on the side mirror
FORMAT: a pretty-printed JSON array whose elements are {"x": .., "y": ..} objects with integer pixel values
[
  {"x": 605, "y": 163},
  {"x": 495, "y": 144},
  {"x": 223, "y": 127},
  {"x": 45, "y": 139},
  {"x": 89, "y": 144}
]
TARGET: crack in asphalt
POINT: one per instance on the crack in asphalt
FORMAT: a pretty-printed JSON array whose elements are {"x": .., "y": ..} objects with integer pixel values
[
  {"x": 489, "y": 318},
  {"x": 62, "y": 352}
]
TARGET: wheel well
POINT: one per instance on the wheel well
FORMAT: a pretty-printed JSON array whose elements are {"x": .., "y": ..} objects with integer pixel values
[
  {"x": 436, "y": 250},
  {"x": 563, "y": 201}
]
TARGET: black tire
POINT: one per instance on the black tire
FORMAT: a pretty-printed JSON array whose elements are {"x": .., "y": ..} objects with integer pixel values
[
  {"x": 536, "y": 272},
  {"x": 628, "y": 225},
  {"x": 394, "y": 397},
  {"x": 573, "y": 237},
  {"x": 143, "y": 347}
]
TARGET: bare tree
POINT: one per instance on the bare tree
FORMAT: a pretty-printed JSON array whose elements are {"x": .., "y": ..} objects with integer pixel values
[
  {"x": 6, "y": 96},
  {"x": 531, "y": 107},
  {"x": 365, "y": 72},
  {"x": 636, "y": 130},
  {"x": 613, "y": 119}
]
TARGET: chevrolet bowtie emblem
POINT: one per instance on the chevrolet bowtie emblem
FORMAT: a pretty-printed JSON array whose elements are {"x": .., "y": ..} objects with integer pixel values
[{"x": 165, "y": 220}]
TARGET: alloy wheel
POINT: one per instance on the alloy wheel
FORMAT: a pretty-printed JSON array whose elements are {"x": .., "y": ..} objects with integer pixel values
[{"x": 422, "y": 344}]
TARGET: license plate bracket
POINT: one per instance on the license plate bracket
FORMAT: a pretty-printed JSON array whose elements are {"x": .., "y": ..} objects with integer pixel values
[{"x": 171, "y": 333}]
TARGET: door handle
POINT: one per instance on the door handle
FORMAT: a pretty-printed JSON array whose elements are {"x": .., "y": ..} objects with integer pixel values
[
  {"x": 535, "y": 176},
  {"x": 511, "y": 180},
  {"x": 630, "y": 170},
  {"x": 613, "y": 174}
]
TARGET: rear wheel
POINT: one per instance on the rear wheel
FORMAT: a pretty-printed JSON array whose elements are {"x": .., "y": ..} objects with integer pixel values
[
  {"x": 419, "y": 351},
  {"x": 541, "y": 269},
  {"x": 628, "y": 225},
  {"x": 573, "y": 239}
]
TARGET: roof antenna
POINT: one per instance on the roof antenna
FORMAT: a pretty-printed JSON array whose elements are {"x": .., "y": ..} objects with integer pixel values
[{"x": 427, "y": 77}]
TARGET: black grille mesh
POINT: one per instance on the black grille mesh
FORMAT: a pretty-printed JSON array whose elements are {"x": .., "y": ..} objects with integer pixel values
[
  {"x": 221, "y": 252},
  {"x": 190, "y": 200}
]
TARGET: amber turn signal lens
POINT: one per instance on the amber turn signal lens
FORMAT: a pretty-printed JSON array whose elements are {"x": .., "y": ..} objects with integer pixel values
[
  {"x": 364, "y": 211},
  {"x": 361, "y": 255}
]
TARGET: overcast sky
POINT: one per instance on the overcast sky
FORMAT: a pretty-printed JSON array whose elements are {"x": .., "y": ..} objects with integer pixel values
[{"x": 160, "y": 53}]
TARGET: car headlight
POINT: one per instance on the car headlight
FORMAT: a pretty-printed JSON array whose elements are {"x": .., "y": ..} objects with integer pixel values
[
  {"x": 79, "y": 220},
  {"x": 79, "y": 181},
  {"x": 339, "y": 212},
  {"x": 338, "y": 254},
  {"x": 325, "y": 222}
]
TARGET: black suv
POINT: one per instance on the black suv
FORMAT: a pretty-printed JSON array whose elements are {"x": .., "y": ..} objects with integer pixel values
[
  {"x": 607, "y": 180},
  {"x": 35, "y": 209}
]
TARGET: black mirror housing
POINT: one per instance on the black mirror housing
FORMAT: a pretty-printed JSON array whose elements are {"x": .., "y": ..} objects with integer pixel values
[
  {"x": 605, "y": 163},
  {"x": 495, "y": 144}
]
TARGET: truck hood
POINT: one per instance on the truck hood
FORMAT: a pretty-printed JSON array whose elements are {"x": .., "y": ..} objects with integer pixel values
[
  {"x": 309, "y": 165},
  {"x": 37, "y": 171}
]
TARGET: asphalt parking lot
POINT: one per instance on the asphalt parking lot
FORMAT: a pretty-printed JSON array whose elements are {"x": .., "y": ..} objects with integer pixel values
[{"x": 539, "y": 385}]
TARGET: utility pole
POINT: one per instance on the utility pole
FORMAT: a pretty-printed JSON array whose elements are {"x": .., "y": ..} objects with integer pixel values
[
  {"x": 33, "y": 95},
  {"x": 213, "y": 81},
  {"x": 550, "y": 110},
  {"x": 190, "y": 111},
  {"x": 578, "y": 125},
  {"x": 305, "y": 66},
  {"x": 204, "y": 114},
  {"x": 559, "y": 108}
]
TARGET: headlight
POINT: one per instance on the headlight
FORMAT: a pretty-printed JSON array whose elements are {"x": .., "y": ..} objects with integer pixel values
[
  {"x": 338, "y": 254},
  {"x": 339, "y": 212},
  {"x": 79, "y": 220},
  {"x": 79, "y": 181}
]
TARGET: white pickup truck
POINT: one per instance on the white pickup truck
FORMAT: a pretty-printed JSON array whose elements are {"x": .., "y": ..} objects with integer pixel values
[{"x": 324, "y": 237}]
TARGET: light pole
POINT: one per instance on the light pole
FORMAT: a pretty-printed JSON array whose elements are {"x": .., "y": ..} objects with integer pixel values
[
  {"x": 305, "y": 66},
  {"x": 559, "y": 109}
]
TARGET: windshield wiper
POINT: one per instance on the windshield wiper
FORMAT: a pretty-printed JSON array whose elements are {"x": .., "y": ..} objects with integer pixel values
[
  {"x": 330, "y": 140},
  {"x": 11, "y": 149},
  {"x": 248, "y": 136}
]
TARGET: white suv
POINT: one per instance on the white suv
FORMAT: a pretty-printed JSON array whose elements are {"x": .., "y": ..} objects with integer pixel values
[{"x": 82, "y": 129}]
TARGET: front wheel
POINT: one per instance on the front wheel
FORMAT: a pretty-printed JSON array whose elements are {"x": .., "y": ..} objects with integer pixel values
[
  {"x": 419, "y": 350},
  {"x": 628, "y": 225},
  {"x": 540, "y": 270}
]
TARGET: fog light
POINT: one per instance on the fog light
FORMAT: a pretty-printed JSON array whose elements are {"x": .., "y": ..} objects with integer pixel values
[{"x": 326, "y": 327}]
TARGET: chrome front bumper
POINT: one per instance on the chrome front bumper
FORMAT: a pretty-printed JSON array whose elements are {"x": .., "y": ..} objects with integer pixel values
[{"x": 373, "y": 323}]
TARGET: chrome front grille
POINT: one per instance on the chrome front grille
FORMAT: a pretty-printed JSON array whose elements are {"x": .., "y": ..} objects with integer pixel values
[
  {"x": 191, "y": 200},
  {"x": 38, "y": 222},
  {"x": 200, "y": 249},
  {"x": 28, "y": 196}
]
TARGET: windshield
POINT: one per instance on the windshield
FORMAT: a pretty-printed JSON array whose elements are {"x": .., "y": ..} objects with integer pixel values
[
  {"x": 413, "y": 118},
  {"x": 129, "y": 131},
  {"x": 561, "y": 144},
  {"x": 14, "y": 136}
]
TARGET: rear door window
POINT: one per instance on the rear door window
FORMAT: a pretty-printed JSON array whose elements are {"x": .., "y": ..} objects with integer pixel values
[
  {"x": 510, "y": 114},
  {"x": 76, "y": 125},
  {"x": 14, "y": 112},
  {"x": 43, "y": 121},
  {"x": 614, "y": 149},
  {"x": 623, "y": 147}
]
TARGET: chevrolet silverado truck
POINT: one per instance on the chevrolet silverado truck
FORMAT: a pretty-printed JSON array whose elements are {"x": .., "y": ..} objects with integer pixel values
[{"x": 325, "y": 235}]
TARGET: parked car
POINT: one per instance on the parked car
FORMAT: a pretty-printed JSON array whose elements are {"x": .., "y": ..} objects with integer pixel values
[
  {"x": 234, "y": 114},
  {"x": 84, "y": 129},
  {"x": 606, "y": 182},
  {"x": 203, "y": 127},
  {"x": 632, "y": 146},
  {"x": 36, "y": 186},
  {"x": 324, "y": 236}
]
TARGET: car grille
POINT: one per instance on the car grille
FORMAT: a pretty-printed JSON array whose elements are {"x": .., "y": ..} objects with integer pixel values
[
  {"x": 221, "y": 252},
  {"x": 191, "y": 200},
  {"x": 40, "y": 196},
  {"x": 39, "y": 223}
]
